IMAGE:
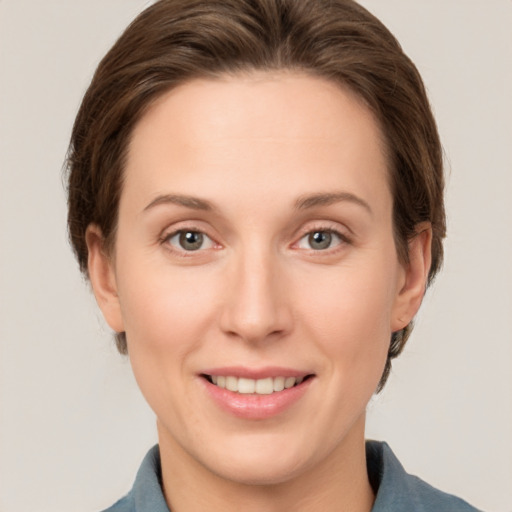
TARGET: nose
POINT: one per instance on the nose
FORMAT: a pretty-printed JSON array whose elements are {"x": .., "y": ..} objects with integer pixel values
[{"x": 256, "y": 305}]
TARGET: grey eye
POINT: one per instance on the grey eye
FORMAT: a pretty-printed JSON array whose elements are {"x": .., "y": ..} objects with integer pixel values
[
  {"x": 191, "y": 240},
  {"x": 188, "y": 240},
  {"x": 319, "y": 240}
]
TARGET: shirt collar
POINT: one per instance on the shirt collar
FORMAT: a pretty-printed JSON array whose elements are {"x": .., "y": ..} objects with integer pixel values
[
  {"x": 396, "y": 491},
  {"x": 147, "y": 490}
]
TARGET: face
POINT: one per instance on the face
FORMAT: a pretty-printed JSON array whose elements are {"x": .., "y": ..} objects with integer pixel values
[{"x": 255, "y": 272}]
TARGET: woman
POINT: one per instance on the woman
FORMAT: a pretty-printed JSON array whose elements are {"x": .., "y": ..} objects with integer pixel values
[{"x": 256, "y": 195}]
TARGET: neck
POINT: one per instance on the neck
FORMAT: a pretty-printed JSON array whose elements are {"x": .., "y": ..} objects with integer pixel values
[{"x": 338, "y": 482}]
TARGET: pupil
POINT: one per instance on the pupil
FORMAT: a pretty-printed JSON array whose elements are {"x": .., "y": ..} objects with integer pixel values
[
  {"x": 191, "y": 240},
  {"x": 320, "y": 240}
]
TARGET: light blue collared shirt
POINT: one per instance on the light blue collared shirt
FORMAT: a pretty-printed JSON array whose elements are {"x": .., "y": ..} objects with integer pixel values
[{"x": 396, "y": 491}]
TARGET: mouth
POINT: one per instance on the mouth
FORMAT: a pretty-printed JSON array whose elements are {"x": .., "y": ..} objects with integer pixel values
[{"x": 247, "y": 386}]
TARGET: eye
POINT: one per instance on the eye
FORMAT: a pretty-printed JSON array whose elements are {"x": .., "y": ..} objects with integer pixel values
[
  {"x": 320, "y": 240},
  {"x": 190, "y": 240}
]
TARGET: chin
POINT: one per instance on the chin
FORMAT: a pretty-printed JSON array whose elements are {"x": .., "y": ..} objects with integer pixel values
[
  {"x": 272, "y": 473},
  {"x": 266, "y": 462}
]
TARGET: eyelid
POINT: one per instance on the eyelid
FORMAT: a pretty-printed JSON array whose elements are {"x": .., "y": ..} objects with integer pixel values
[
  {"x": 324, "y": 225},
  {"x": 344, "y": 234}
]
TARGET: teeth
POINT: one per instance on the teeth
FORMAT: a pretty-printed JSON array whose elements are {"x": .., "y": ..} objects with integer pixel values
[
  {"x": 246, "y": 386},
  {"x": 289, "y": 382},
  {"x": 279, "y": 384},
  {"x": 232, "y": 383},
  {"x": 265, "y": 386},
  {"x": 258, "y": 386}
]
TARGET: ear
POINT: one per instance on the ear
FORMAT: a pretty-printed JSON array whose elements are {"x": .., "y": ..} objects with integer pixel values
[
  {"x": 413, "y": 283},
  {"x": 103, "y": 278}
]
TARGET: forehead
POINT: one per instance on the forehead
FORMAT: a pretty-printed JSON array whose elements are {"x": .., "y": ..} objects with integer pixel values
[
  {"x": 271, "y": 128},
  {"x": 277, "y": 100}
]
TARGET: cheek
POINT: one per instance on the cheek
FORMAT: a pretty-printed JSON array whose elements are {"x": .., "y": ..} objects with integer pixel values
[
  {"x": 349, "y": 316},
  {"x": 165, "y": 310},
  {"x": 166, "y": 316}
]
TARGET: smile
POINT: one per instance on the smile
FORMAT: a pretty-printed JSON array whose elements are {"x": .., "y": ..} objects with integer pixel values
[
  {"x": 256, "y": 394},
  {"x": 265, "y": 386}
]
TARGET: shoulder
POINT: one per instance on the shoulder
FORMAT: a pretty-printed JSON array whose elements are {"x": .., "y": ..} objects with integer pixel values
[{"x": 398, "y": 491}]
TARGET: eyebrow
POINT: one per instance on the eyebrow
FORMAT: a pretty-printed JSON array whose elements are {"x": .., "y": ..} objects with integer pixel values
[
  {"x": 302, "y": 203},
  {"x": 326, "y": 199},
  {"x": 181, "y": 200}
]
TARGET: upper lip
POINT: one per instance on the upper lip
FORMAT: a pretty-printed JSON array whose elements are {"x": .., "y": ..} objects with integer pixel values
[{"x": 256, "y": 373}]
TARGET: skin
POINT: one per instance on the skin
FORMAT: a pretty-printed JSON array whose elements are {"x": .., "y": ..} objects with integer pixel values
[{"x": 257, "y": 293}]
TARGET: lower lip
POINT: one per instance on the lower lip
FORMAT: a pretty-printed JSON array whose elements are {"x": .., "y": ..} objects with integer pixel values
[{"x": 253, "y": 406}]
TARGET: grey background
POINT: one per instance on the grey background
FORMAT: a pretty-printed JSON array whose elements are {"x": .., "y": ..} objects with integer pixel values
[{"x": 73, "y": 426}]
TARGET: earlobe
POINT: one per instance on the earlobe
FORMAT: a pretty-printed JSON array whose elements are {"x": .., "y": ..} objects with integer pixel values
[
  {"x": 102, "y": 277},
  {"x": 414, "y": 283}
]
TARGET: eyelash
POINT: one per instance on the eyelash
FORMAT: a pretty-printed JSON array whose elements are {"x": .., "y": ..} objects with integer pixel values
[{"x": 166, "y": 238}]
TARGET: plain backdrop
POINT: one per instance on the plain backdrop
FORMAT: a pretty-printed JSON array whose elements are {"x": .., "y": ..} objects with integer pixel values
[{"x": 74, "y": 427}]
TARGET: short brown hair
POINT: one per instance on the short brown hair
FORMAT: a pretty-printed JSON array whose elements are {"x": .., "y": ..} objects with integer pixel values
[{"x": 174, "y": 41}]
